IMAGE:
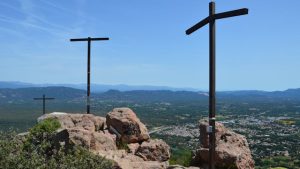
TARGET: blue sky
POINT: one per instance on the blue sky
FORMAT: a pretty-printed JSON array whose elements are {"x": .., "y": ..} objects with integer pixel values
[{"x": 148, "y": 44}]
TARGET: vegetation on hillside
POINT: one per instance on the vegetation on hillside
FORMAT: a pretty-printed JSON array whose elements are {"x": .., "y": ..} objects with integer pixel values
[
  {"x": 182, "y": 156},
  {"x": 279, "y": 162},
  {"x": 269, "y": 120},
  {"x": 287, "y": 122},
  {"x": 35, "y": 150}
]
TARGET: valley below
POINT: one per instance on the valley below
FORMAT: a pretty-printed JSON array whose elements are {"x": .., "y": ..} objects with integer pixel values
[{"x": 270, "y": 121}]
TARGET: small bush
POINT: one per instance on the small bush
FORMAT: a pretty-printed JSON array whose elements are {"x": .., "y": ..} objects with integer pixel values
[
  {"x": 36, "y": 151},
  {"x": 39, "y": 138},
  {"x": 181, "y": 156},
  {"x": 48, "y": 126},
  {"x": 278, "y": 162}
]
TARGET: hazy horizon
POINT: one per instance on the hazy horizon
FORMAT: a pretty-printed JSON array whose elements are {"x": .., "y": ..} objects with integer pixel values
[
  {"x": 184, "y": 88},
  {"x": 148, "y": 44}
]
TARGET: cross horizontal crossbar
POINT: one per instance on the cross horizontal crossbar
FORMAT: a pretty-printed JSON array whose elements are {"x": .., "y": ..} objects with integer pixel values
[
  {"x": 197, "y": 26},
  {"x": 243, "y": 11},
  {"x": 88, "y": 39},
  {"x": 43, "y": 98}
]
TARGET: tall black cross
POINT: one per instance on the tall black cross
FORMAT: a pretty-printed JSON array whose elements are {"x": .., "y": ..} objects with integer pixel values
[
  {"x": 212, "y": 68},
  {"x": 44, "y": 98},
  {"x": 89, "y": 39}
]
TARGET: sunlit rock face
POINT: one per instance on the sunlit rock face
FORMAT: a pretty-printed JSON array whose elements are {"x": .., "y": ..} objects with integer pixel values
[
  {"x": 232, "y": 149},
  {"x": 80, "y": 121},
  {"x": 124, "y": 123},
  {"x": 154, "y": 150},
  {"x": 103, "y": 136}
]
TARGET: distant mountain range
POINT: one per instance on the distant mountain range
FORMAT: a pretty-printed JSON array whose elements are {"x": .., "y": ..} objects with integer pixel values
[
  {"x": 94, "y": 87},
  {"x": 67, "y": 93}
]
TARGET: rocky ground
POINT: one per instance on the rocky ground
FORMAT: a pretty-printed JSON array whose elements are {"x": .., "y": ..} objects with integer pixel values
[{"x": 123, "y": 138}]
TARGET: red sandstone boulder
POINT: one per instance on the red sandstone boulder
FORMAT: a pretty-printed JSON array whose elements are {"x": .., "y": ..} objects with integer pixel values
[
  {"x": 232, "y": 149},
  {"x": 133, "y": 147},
  {"x": 126, "y": 160},
  {"x": 154, "y": 150},
  {"x": 127, "y": 126},
  {"x": 90, "y": 131},
  {"x": 88, "y": 122},
  {"x": 93, "y": 141}
]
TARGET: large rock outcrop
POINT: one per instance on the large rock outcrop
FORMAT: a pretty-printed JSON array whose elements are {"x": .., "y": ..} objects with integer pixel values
[
  {"x": 154, "y": 150},
  {"x": 232, "y": 149},
  {"x": 126, "y": 125},
  {"x": 93, "y": 141},
  {"x": 125, "y": 160},
  {"x": 81, "y": 121},
  {"x": 123, "y": 127}
]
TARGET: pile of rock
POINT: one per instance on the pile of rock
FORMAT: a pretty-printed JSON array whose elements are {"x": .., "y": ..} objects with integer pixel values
[
  {"x": 232, "y": 149},
  {"x": 121, "y": 137}
]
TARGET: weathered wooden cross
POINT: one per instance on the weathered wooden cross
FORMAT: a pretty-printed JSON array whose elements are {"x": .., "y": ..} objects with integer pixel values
[
  {"x": 212, "y": 68},
  {"x": 89, "y": 39},
  {"x": 44, "y": 98}
]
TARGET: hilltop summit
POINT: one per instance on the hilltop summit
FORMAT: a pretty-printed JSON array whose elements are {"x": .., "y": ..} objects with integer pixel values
[
  {"x": 120, "y": 137},
  {"x": 124, "y": 139}
]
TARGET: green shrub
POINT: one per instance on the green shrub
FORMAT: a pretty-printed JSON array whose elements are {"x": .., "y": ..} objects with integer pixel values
[
  {"x": 39, "y": 138},
  {"x": 181, "y": 156},
  {"x": 49, "y": 126},
  {"x": 37, "y": 151},
  {"x": 278, "y": 162}
]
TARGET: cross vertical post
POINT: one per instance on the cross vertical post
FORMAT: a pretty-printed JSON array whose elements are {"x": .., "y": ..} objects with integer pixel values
[
  {"x": 211, "y": 20},
  {"x": 44, "y": 98},
  {"x": 89, "y": 39},
  {"x": 88, "y": 77},
  {"x": 44, "y": 104},
  {"x": 212, "y": 84}
]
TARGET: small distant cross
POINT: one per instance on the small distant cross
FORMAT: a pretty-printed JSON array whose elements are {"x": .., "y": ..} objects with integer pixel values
[
  {"x": 212, "y": 68},
  {"x": 44, "y": 98},
  {"x": 89, "y": 39}
]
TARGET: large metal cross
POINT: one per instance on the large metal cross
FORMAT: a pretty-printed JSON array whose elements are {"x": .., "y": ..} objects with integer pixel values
[
  {"x": 89, "y": 39},
  {"x": 44, "y": 98},
  {"x": 212, "y": 69}
]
